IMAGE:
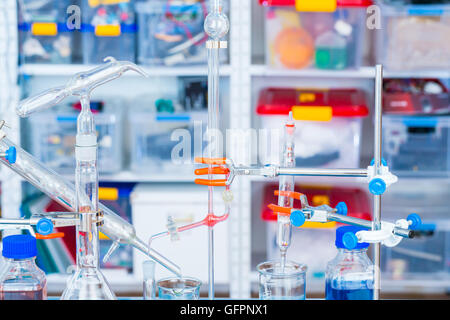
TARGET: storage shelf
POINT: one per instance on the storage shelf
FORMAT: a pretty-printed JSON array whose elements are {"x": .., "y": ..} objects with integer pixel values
[
  {"x": 71, "y": 69},
  {"x": 265, "y": 71},
  {"x": 262, "y": 70}
]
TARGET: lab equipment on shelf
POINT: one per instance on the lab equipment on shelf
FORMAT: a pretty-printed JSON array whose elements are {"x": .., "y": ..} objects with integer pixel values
[
  {"x": 311, "y": 243},
  {"x": 413, "y": 36},
  {"x": 21, "y": 278},
  {"x": 184, "y": 288},
  {"x": 415, "y": 97},
  {"x": 44, "y": 36},
  {"x": 349, "y": 275},
  {"x": 330, "y": 123},
  {"x": 52, "y": 135},
  {"x": 108, "y": 29},
  {"x": 172, "y": 33},
  {"x": 278, "y": 282},
  {"x": 297, "y": 38}
]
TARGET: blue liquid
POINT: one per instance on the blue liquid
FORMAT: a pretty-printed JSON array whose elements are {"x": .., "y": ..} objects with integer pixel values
[{"x": 362, "y": 293}]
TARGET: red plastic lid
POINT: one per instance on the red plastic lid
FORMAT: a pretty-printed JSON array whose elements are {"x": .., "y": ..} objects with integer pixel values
[
  {"x": 343, "y": 102},
  {"x": 356, "y": 199},
  {"x": 339, "y": 3}
]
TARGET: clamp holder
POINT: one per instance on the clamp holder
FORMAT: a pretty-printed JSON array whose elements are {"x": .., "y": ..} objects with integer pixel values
[{"x": 379, "y": 180}]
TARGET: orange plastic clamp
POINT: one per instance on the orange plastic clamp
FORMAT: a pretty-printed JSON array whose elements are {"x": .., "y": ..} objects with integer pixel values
[
  {"x": 213, "y": 183},
  {"x": 280, "y": 210},
  {"x": 214, "y": 170},
  {"x": 50, "y": 236},
  {"x": 290, "y": 194},
  {"x": 210, "y": 160}
]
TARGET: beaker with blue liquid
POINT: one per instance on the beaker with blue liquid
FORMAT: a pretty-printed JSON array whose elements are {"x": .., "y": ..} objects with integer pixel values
[{"x": 349, "y": 276}]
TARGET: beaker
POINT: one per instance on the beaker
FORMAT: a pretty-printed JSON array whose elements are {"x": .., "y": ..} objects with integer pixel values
[
  {"x": 277, "y": 283},
  {"x": 179, "y": 288}
]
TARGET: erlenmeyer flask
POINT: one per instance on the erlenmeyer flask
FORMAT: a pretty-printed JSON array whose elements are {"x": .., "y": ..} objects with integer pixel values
[{"x": 88, "y": 282}]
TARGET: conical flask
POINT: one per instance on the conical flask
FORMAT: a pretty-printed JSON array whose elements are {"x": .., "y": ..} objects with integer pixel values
[{"x": 88, "y": 282}]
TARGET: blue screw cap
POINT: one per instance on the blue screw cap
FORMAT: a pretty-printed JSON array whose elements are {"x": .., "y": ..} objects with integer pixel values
[
  {"x": 297, "y": 218},
  {"x": 377, "y": 186},
  {"x": 349, "y": 240},
  {"x": 11, "y": 155},
  {"x": 383, "y": 162},
  {"x": 44, "y": 226},
  {"x": 19, "y": 246},
  {"x": 415, "y": 219},
  {"x": 341, "y": 208},
  {"x": 346, "y": 238}
]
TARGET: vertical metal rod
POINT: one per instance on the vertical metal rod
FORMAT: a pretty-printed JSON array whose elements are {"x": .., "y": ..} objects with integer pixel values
[{"x": 377, "y": 163}]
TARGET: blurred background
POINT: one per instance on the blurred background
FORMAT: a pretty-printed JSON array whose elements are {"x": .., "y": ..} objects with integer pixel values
[{"x": 277, "y": 58}]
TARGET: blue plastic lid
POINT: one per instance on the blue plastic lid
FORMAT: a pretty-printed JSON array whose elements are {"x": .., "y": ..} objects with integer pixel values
[
  {"x": 341, "y": 239},
  {"x": 20, "y": 246}
]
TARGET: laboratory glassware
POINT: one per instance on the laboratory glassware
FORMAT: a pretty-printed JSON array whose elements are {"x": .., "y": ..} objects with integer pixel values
[
  {"x": 277, "y": 282},
  {"x": 88, "y": 282},
  {"x": 286, "y": 185},
  {"x": 216, "y": 26},
  {"x": 349, "y": 276},
  {"x": 21, "y": 278},
  {"x": 185, "y": 288},
  {"x": 63, "y": 192},
  {"x": 149, "y": 286}
]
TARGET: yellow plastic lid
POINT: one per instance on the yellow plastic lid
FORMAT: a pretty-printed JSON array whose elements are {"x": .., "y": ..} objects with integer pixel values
[
  {"x": 316, "y": 5},
  {"x": 109, "y": 30},
  {"x": 44, "y": 29}
]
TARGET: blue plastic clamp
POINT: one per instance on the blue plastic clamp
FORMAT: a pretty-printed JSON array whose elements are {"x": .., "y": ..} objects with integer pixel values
[
  {"x": 11, "y": 155},
  {"x": 297, "y": 218},
  {"x": 377, "y": 186},
  {"x": 383, "y": 162},
  {"x": 350, "y": 240},
  {"x": 415, "y": 219},
  {"x": 341, "y": 208},
  {"x": 44, "y": 226}
]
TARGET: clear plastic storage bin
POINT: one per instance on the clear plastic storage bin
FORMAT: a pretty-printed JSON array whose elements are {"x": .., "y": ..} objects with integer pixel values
[
  {"x": 328, "y": 126},
  {"x": 172, "y": 33},
  {"x": 324, "y": 40},
  {"x": 43, "y": 34},
  {"x": 52, "y": 135},
  {"x": 156, "y": 135},
  {"x": 108, "y": 29},
  {"x": 424, "y": 258},
  {"x": 417, "y": 146},
  {"x": 414, "y": 36}
]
